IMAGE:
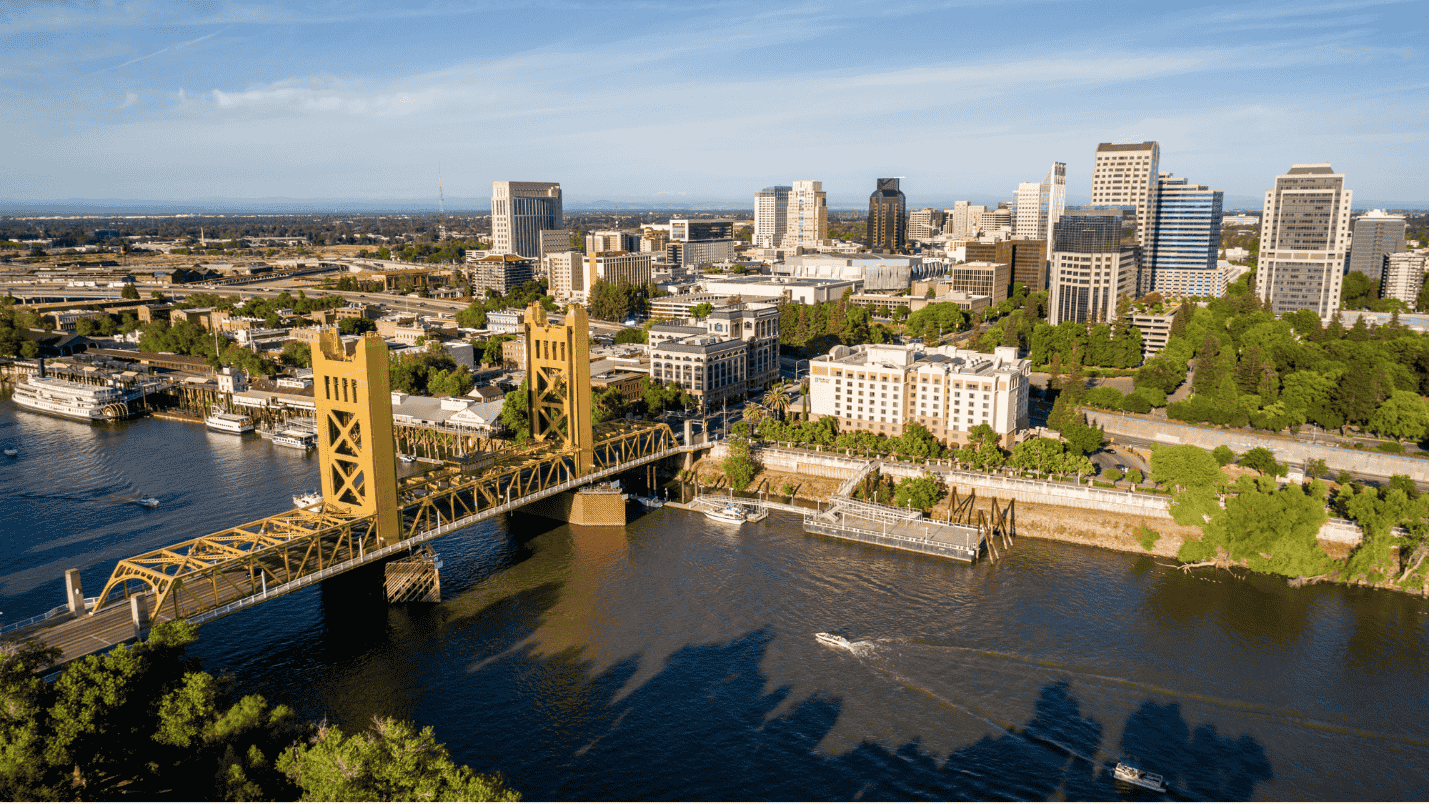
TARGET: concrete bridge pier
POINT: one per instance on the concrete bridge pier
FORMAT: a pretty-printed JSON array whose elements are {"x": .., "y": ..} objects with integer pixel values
[
  {"x": 590, "y": 507},
  {"x": 74, "y": 592}
]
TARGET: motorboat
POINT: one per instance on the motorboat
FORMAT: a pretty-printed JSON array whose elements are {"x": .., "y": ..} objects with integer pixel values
[
  {"x": 732, "y": 514},
  {"x": 307, "y": 498},
  {"x": 405, "y": 458},
  {"x": 148, "y": 502},
  {"x": 12, "y": 453},
  {"x": 1131, "y": 775},
  {"x": 295, "y": 439},
  {"x": 833, "y": 640}
]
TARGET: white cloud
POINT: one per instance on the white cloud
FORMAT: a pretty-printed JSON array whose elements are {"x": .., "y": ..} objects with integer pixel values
[{"x": 129, "y": 100}]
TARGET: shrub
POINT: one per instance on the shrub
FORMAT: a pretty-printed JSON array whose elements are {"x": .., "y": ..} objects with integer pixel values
[
  {"x": 1146, "y": 537},
  {"x": 1113, "y": 474},
  {"x": 1391, "y": 447}
]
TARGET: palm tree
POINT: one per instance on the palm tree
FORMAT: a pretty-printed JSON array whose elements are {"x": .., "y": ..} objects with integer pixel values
[
  {"x": 753, "y": 413},
  {"x": 777, "y": 400}
]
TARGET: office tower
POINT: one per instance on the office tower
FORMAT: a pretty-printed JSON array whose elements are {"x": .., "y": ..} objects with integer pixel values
[
  {"x": 519, "y": 211},
  {"x": 925, "y": 223},
  {"x": 1403, "y": 277},
  {"x": 1125, "y": 175},
  {"x": 555, "y": 241},
  {"x": 1304, "y": 233},
  {"x": 1183, "y": 240},
  {"x": 684, "y": 229},
  {"x": 602, "y": 241},
  {"x": 500, "y": 272},
  {"x": 771, "y": 216},
  {"x": 807, "y": 218},
  {"x": 887, "y": 218},
  {"x": 1040, "y": 204},
  {"x": 1028, "y": 259},
  {"x": 1376, "y": 233},
  {"x": 957, "y": 224},
  {"x": 620, "y": 268},
  {"x": 996, "y": 220},
  {"x": 1090, "y": 266},
  {"x": 991, "y": 279},
  {"x": 566, "y": 272}
]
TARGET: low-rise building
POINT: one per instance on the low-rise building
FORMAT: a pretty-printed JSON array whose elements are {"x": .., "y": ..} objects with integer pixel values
[
  {"x": 992, "y": 279},
  {"x": 735, "y": 352},
  {"x": 1155, "y": 325},
  {"x": 504, "y": 322},
  {"x": 805, "y": 290},
  {"x": 500, "y": 272},
  {"x": 882, "y": 388}
]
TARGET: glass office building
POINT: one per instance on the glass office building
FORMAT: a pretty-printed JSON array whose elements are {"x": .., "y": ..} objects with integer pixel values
[
  {"x": 1094, "y": 261},
  {"x": 1183, "y": 243}
]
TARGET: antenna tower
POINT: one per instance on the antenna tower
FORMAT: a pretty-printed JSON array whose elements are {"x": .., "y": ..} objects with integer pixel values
[{"x": 442, "y": 205}]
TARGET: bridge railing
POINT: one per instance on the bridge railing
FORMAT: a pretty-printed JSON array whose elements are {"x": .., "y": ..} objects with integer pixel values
[{"x": 56, "y": 612}]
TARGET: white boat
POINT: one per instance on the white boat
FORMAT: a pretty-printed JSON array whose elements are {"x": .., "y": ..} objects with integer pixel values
[
  {"x": 405, "y": 458},
  {"x": 148, "y": 502},
  {"x": 223, "y": 422},
  {"x": 12, "y": 453},
  {"x": 731, "y": 514},
  {"x": 833, "y": 640},
  {"x": 1138, "y": 777},
  {"x": 72, "y": 400},
  {"x": 307, "y": 498},
  {"x": 296, "y": 440}
]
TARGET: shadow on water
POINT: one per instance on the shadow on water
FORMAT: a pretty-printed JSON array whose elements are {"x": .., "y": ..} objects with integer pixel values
[{"x": 707, "y": 726}]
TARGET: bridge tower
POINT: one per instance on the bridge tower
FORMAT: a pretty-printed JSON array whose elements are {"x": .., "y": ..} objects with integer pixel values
[
  {"x": 356, "y": 450},
  {"x": 558, "y": 374}
]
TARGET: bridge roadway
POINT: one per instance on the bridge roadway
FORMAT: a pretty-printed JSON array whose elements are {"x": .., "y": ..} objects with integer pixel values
[{"x": 222, "y": 573}]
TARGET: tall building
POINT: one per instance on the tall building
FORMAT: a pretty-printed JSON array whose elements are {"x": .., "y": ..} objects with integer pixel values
[
  {"x": 991, "y": 279},
  {"x": 1304, "y": 234},
  {"x": 1125, "y": 175},
  {"x": 519, "y": 211},
  {"x": 1403, "y": 277},
  {"x": 621, "y": 267},
  {"x": 653, "y": 240},
  {"x": 1184, "y": 239},
  {"x": 566, "y": 272},
  {"x": 882, "y": 388},
  {"x": 500, "y": 272},
  {"x": 1376, "y": 233},
  {"x": 554, "y": 241},
  {"x": 887, "y": 218},
  {"x": 925, "y": 223},
  {"x": 771, "y": 216},
  {"x": 997, "y": 221},
  {"x": 1091, "y": 266},
  {"x": 807, "y": 217},
  {"x": 611, "y": 240},
  {"x": 685, "y": 229},
  {"x": 1040, "y": 204}
]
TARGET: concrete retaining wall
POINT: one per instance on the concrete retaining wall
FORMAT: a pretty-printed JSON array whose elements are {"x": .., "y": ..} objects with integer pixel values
[{"x": 1287, "y": 450}]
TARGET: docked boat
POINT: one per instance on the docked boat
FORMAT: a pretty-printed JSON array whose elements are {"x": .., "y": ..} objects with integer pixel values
[
  {"x": 12, "y": 453},
  {"x": 731, "y": 514},
  {"x": 221, "y": 421},
  {"x": 1151, "y": 781},
  {"x": 295, "y": 439},
  {"x": 833, "y": 640},
  {"x": 72, "y": 400},
  {"x": 405, "y": 458},
  {"x": 306, "y": 499},
  {"x": 148, "y": 502}
]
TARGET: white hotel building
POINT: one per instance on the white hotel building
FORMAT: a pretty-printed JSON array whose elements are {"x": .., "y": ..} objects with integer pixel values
[{"x": 880, "y": 388}]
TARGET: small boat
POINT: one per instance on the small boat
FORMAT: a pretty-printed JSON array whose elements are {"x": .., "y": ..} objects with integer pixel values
[
  {"x": 12, "y": 453},
  {"x": 833, "y": 640},
  {"x": 148, "y": 502},
  {"x": 405, "y": 458},
  {"x": 1138, "y": 777},
  {"x": 295, "y": 439},
  {"x": 308, "y": 498},
  {"x": 731, "y": 514}
]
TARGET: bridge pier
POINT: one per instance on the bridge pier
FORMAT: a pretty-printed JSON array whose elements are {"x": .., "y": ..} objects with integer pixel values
[
  {"x": 589, "y": 507},
  {"x": 74, "y": 592}
]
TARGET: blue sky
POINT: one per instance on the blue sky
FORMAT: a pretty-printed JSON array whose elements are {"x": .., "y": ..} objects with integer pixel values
[{"x": 707, "y": 99}]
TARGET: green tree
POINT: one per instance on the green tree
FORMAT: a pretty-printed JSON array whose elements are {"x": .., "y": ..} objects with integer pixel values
[
  {"x": 1316, "y": 468},
  {"x": 516, "y": 413},
  {"x": 921, "y": 492},
  {"x": 297, "y": 353},
  {"x": 129, "y": 292},
  {"x": 1223, "y": 454},
  {"x": 739, "y": 466},
  {"x": 701, "y": 310},
  {"x": 630, "y": 335},
  {"x": 1403, "y": 416}
]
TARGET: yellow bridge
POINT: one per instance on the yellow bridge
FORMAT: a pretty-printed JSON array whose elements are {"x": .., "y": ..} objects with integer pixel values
[{"x": 366, "y": 514}]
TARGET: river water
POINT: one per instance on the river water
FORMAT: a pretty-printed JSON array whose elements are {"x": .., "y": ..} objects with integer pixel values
[{"x": 676, "y": 660}]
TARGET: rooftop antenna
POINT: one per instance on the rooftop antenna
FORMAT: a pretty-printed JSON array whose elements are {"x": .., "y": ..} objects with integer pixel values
[{"x": 442, "y": 202}]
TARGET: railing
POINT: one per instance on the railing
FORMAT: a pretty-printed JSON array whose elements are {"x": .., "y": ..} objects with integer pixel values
[
  {"x": 823, "y": 528},
  {"x": 57, "y": 611}
]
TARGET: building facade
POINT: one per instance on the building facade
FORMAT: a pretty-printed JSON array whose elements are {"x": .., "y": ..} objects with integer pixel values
[
  {"x": 882, "y": 388},
  {"x": 500, "y": 272},
  {"x": 1376, "y": 234},
  {"x": 887, "y": 218},
  {"x": 807, "y": 217},
  {"x": 771, "y": 216},
  {"x": 1090, "y": 267},
  {"x": 733, "y": 353},
  {"x": 1403, "y": 277},
  {"x": 520, "y": 210},
  {"x": 992, "y": 279},
  {"x": 925, "y": 224},
  {"x": 1304, "y": 236},
  {"x": 1125, "y": 175},
  {"x": 1182, "y": 246},
  {"x": 622, "y": 267},
  {"x": 685, "y": 229},
  {"x": 1039, "y": 204}
]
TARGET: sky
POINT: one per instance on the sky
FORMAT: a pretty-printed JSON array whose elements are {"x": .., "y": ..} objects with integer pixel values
[{"x": 700, "y": 99}]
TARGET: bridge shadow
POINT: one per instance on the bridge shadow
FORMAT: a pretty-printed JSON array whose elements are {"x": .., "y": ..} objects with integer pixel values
[{"x": 708, "y": 726}]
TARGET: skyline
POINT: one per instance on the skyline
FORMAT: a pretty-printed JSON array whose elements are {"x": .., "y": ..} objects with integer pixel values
[{"x": 648, "y": 102}]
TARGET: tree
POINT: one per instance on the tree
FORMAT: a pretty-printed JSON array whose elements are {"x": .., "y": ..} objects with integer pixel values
[
  {"x": 129, "y": 292},
  {"x": 776, "y": 400},
  {"x": 1223, "y": 454},
  {"x": 739, "y": 466},
  {"x": 701, "y": 310},
  {"x": 1186, "y": 466},
  {"x": 1403, "y": 416},
  {"x": 630, "y": 335},
  {"x": 1316, "y": 468},
  {"x": 297, "y": 353},
  {"x": 516, "y": 413},
  {"x": 921, "y": 492}
]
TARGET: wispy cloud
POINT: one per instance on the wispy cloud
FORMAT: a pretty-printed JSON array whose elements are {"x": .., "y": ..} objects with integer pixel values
[
  {"x": 130, "y": 99},
  {"x": 168, "y": 49}
]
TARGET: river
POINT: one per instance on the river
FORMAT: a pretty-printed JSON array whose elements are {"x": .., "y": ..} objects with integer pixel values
[{"x": 676, "y": 660}]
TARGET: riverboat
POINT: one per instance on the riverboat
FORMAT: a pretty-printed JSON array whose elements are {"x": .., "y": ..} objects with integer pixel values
[
  {"x": 307, "y": 498},
  {"x": 221, "y": 421},
  {"x": 731, "y": 514},
  {"x": 148, "y": 502},
  {"x": 1151, "y": 781},
  {"x": 296, "y": 440},
  {"x": 72, "y": 400},
  {"x": 833, "y": 640}
]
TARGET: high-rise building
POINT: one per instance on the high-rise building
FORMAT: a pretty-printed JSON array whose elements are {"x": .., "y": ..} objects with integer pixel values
[
  {"x": 771, "y": 216},
  {"x": 1125, "y": 175},
  {"x": 925, "y": 223},
  {"x": 611, "y": 240},
  {"x": 1403, "y": 277},
  {"x": 519, "y": 211},
  {"x": 807, "y": 218},
  {"x": 1040, "y": 204},
  {"x": 554, "y": 241},
  {"x": 1091, "y": 266},
  {"x": 887, "y": 218},
  {"x": 997, "y": 221},
  {"x": 1376, "y": 233},
  {"x": 1304, "y": 234},
  {"x": 1179, "y": 258},
  {"x": 685, "y": 229},
  {"x": 654, "y": 240},
  {"x": 566, "y": 271},
  {"x": 500, "y": 272}
]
